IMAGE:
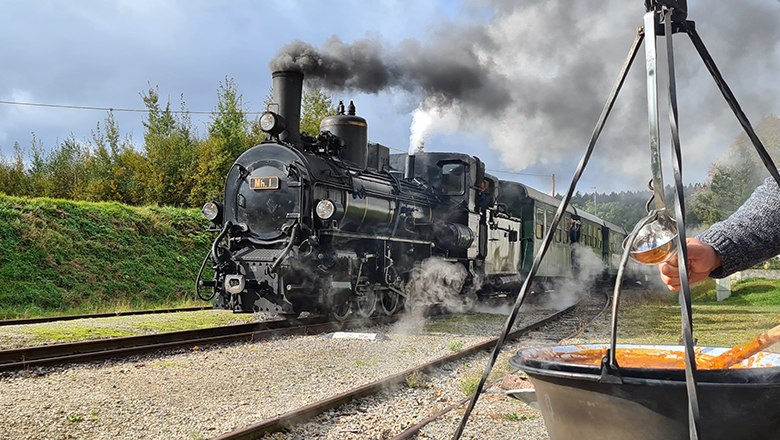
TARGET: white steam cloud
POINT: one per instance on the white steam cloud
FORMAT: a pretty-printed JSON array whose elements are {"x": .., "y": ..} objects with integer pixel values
[
  {"x": 422, "y": 121},
  {"x": 434, "y": 282}
]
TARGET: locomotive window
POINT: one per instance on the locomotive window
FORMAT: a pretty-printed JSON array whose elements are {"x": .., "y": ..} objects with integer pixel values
[
  {"x": 453, "y": 179},
  {"x": 539, "y": 223}
]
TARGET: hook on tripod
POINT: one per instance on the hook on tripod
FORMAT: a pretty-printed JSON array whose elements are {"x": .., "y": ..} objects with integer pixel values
[{"x": 652, "y": 196}]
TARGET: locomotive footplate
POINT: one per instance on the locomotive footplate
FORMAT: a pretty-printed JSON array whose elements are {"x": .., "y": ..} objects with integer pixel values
[{"x": 256, "y": 288}]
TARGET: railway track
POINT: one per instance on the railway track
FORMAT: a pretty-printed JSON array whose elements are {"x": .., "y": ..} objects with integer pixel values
[
  {"x": 24, "y": 321},
  {"x": 573, "y": 317},
  {"x": 287, "y": 420},
  {"x": 78, "y": 352}
]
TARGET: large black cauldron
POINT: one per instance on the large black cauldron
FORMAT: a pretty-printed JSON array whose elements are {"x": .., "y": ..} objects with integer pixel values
[{"x": 580, "y": 402}]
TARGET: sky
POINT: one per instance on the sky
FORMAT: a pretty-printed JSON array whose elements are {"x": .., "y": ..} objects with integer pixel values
[{"x": 518, "y": 84}]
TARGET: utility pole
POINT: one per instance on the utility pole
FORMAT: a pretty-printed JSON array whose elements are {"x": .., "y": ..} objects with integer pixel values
[
  {"x": 553, "y": 185},
  {"x": 594, "y": 201}
]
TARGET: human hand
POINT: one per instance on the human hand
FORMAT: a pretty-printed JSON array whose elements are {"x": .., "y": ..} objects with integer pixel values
[{"x": 702, "y": 259}]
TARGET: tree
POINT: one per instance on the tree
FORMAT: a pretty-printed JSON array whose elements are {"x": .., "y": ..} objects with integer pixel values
[
  {"x": 170, "y": 148},
  {"x": 13, "y": 180},
  {"x": 731, "y": 182},
  {"x": 131, "y": 173},
  {"x": 722, "y": 196},
  {"x": 65, "y": 170},
  {"x": 39, "y": 185},
  {"x": 228, "y": 137},
  {"x": 317, "y": 105},
  {"x": 102, "y": 162}
]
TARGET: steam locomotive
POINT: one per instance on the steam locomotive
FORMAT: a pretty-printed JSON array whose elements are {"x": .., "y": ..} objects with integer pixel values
[{"x": 335, "y": 224}]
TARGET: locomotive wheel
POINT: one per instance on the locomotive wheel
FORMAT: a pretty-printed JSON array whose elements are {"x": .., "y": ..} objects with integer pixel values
[
  {"x": 341, "y": 307},
  {"x": 389, "y": 302},
  {"x": 365, "y": 304}
]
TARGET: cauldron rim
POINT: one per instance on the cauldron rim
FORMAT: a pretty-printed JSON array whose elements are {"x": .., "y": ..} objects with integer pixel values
[{"x": 760, "y": 377}]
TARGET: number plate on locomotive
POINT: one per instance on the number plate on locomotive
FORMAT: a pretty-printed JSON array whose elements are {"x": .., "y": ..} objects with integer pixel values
[{"x": 264, "y": 182}]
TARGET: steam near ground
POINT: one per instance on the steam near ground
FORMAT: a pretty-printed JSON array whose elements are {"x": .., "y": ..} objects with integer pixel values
[
  {"x": 436, "y": 281},
  {"x": 568, "y": 291},
  {"x": 562, "y": 292}
]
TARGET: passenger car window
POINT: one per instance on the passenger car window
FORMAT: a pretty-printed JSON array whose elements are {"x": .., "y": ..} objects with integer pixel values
[{"x": 539, "y": 223}]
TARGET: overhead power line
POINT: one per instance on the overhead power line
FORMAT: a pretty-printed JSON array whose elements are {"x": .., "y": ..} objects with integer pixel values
[
  {"x": 137, "y": 110},
  {"x": 110, "y": 109}
]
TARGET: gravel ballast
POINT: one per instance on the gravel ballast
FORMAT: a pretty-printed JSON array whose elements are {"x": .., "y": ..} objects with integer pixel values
[{"x": 207, "y": 391}]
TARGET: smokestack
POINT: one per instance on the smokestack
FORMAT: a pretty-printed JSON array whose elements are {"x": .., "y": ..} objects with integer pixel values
[
  {"x": 288, "y": 86},
  {"x": 409, "y": 168}
]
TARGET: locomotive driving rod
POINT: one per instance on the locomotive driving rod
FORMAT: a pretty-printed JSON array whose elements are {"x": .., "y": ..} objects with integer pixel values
[{"x": 674, "y": 21}]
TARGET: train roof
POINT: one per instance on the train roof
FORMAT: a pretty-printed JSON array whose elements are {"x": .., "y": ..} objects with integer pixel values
[
  {"x": 593, "y": 218},
  {"x": 550, "y": 200}
]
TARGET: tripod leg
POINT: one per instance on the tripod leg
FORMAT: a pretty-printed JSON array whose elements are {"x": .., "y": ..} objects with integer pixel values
[
  {"x": 694, "y": 415},
  {"x": 726, "y": 91},
  {"x": 606, "y": 110}
]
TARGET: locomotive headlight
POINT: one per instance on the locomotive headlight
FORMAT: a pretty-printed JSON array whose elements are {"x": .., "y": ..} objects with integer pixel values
[
  {"x": 325, "y": 209},
  {"x": 212, "y": 211},
  {"x": 271, "y": 123}
]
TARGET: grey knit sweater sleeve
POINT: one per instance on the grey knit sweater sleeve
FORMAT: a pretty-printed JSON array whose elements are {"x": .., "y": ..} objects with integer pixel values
[{"x": 750, "y": 235}]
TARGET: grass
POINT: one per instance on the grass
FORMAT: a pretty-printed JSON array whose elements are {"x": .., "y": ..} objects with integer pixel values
[
  {"x": 415, "y": 380},
  {"x": 469, "y": 381},
  {"x": 455, "y": 346},
  {"x": 83, "y": 329},
  {"x": 77, "y": 333},
  {"x": 75, "y": 418},
  {"x": 754, "y": 306},
  {"x": 67, "y": 257},
  {"x": 454, "y": 324},
  {"x": 164, "y": 364},
  {"x": 191, "y": 321},
  {"x": 514, "y": 417}
]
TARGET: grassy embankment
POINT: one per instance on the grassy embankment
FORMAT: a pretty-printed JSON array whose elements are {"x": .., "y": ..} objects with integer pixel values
[
  {"x": 754, "y": 307},
  {"x": 65, "y": 257}
]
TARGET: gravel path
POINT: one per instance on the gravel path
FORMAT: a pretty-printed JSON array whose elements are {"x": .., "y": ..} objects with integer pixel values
[
  {"x": 203, "y": 392},
  {"x": 495, "y": 416}
]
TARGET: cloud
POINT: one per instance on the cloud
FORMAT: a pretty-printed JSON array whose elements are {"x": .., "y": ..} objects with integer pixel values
[
  {"x": 533, "y": 78},
  {"x": 528, "y": 78}
]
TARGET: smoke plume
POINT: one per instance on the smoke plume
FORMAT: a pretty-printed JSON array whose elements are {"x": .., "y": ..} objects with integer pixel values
[{"x": 533, "y": 78}]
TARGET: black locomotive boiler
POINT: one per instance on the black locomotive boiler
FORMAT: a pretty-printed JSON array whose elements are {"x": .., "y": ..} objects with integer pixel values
[{"x": 335, "y": 224}]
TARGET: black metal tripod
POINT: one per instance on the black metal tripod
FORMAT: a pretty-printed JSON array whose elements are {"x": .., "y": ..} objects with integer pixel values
[{"x": 662, "y": 18}]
